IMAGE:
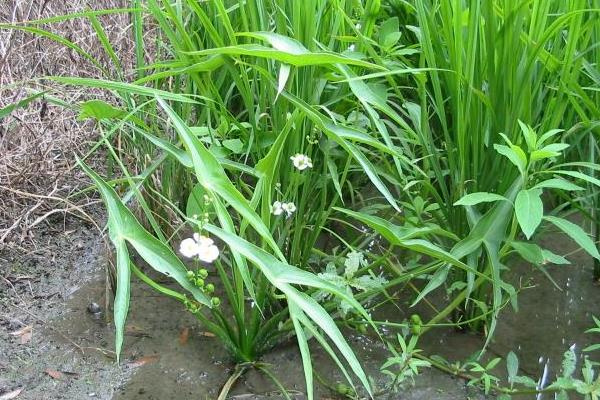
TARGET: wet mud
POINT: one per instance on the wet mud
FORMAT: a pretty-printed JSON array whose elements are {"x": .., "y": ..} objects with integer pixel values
[{"x": 167, "y": 355}]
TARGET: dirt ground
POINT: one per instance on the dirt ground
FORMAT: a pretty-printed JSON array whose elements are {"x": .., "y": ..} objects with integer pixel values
[
  {"x": 49, "y": 240},
  {"x": 38, "y": 177}
]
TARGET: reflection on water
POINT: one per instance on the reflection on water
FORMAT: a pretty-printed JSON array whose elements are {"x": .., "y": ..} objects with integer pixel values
[{"x": 549, "y": 321}]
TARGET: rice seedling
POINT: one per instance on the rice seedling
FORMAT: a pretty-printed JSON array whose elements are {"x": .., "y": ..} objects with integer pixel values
[{"x": 496, "y": 73}]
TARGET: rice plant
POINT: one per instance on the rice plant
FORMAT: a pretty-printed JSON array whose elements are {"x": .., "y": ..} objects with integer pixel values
[{"x": 503, "y": 78}]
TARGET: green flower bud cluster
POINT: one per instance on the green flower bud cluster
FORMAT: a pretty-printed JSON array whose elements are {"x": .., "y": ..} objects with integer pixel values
[
  {"x": 198, "y": 279},
  {"x": 192, "y": 306}
]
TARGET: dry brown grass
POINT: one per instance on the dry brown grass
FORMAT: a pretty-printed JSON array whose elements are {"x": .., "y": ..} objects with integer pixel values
[{"x": 38, "y": 143}]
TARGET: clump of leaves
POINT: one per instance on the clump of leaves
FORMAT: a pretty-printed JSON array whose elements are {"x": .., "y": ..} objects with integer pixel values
[
  {"x": 350, "y": 279},
  {"x": 483, "y": 374},
  {"x": 403, "y": 365}
]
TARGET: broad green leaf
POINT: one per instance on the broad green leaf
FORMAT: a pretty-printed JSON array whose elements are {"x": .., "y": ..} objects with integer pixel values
[
  {"x": 529, "y": 251},
  {"x": 552, "y": 258},
  {"x": 579, "y": 175},
  {"x": 297, "y": 60},
  {"x": 543, "y": 154},
  {"x": 529, "y": 135},
  {"x": 235, "y": 145},
  {"x": 279, "y": 42},
  {"x": 575, "y": 233},
  {"x": 304, "y": 351},
  {"x": 122, "y": 293},
  {"x": 391, "y": 232},
  {"x": 592, "y": 347},
  {"x": 98, "y": 110},
  {"x": 282, "y": 78},
  {"x": 557, "y": 183},
  {"x": 548, "y": 135},
  {"x": 529, "y": 210},
  {"x": 556, "y": 147},
  {"x": 552, "y": 150},
  {"x": 512, "y": 366},
  {"x": 179, "y": 154},
  {"x": 472, "y": 199},
  {"x": 122, "y": 86},
  {"x": 312, "y": 329},
  {"x": 515, "y": 158},
  {"x": 438, "y": 278},
  {"x": 389, "y": 32}
]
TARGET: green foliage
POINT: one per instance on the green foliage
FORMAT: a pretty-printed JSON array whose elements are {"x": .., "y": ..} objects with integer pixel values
[
  {"x": 456, "y": 131},
  {"x": 403, "y": 365}
]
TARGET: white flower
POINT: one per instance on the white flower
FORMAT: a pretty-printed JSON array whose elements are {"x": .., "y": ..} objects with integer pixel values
[
  {"x": 277, "y": 208},
  {"x": 208, "y": 253},
  {"x": 301, "y": 161},
  {"x": 199, "y": 246},
  {"x": 289, "y": 208},
  {"x": 351, "y": 47},
  {"x": 188, "y": 247}
]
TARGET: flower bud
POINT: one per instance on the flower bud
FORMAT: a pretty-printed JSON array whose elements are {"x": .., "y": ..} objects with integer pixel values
[
  {"x": 199, "y": 282},
  {"x": 202, "y": 273},
  {"x": 209, "y": 288},
  {"x": 215, "y": 301}
]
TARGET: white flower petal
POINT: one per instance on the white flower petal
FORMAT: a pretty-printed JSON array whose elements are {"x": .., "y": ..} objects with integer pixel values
[
  {"x": 301, "y": 161},
  {"x": 208, "y": 253},
  {"x": 289, "y": 208},
  {"x": 277, "y": 208},
  {"x": 188, "y": 248},
  {"x": 204, "y": 241}
]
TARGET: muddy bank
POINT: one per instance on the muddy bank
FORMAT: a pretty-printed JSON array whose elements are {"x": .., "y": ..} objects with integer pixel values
[
  {"x": 167, "y": 355},
  {"x": 39, "y": 287}
]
